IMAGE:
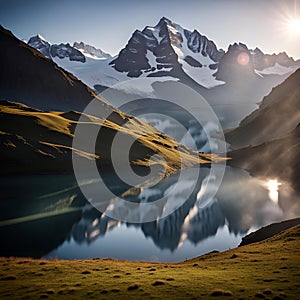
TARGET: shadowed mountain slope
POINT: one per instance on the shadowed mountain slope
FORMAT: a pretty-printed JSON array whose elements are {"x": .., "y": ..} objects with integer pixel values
[
  {"x": 27, "y": 76},
  {"x": 277, "y": 115}
]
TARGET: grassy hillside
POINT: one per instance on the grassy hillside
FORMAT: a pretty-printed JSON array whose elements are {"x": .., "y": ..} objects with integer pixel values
[
  {"x": 37, "y": 141},
  {"x": 266, "y": 270}
]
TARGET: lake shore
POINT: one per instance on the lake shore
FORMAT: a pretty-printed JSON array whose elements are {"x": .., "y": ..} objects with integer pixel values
[{"x": 269, "y": 269}]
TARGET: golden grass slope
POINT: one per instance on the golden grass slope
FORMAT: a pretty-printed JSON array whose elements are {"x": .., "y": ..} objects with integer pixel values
[
  {"x": 266, "y": 270},
  {"x": 32, "y": 140}
]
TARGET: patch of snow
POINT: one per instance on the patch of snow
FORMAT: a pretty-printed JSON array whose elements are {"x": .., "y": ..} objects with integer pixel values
[
  {"x": 277, "y": 69},
  {"x": 143, "y": 86},
  {"x": 203, "y": 76},
  {"x": 155, "y": 32},
  {"x": 172, "y": 29},
  {"x": 89, "y": 55},
  {"x": 41, "y": 38},
  {"x": 90, "y": 51},
  {"x": 151, "y": 59},
  {"x": 179, "y": 52},
  {"x": 186, "y": 51},
  {"x": 93, "y": 71}
]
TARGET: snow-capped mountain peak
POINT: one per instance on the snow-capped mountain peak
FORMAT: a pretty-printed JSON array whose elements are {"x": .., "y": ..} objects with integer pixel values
[
  {"x": 51, "y": 51},
  {"x": 90, "y": 51},
  {"x": 78, "y": 52},
  {"x": 194, "y": 41},
  {"x": 39, "y": 43},
  {"x": 167, "y": 49},
  {"x": 164, "y": 21},
  {"x": 40, "y": 37}
]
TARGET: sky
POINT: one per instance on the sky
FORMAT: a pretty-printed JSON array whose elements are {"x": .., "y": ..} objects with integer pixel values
[{"x": 271, "y": 25}]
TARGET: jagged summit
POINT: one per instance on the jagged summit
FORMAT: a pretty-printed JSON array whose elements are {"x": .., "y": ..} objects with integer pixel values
[
  {"x": 90, "y": 51},
  {"x": 77, "y": 52},
  {"x": 167, "y": 49},
  {"x": 40, "y": 44},
  {"x": 40, "y": 37},
  {"x": 195, "y": 41},
  {"x": 51, "y": 51},
  {"x": 164, "y": 21}
]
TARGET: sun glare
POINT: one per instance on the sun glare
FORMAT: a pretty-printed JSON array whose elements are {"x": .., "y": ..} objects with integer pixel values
[
  {"x": 293, "y": 26},
  {"x": 287, "y": 21}
]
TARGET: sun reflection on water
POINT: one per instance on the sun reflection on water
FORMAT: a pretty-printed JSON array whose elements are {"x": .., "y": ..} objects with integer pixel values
[{"x": 273, "y": 187}]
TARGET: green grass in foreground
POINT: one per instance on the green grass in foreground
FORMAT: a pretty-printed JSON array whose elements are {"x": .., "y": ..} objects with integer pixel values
[{"x": 266, "y": 270}]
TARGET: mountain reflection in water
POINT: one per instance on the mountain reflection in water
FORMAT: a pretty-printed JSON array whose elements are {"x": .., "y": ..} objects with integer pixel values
[{"x": 201, "y": 224}]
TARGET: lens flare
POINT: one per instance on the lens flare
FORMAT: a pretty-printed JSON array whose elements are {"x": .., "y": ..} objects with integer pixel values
[{"x": 243, "y": 59}]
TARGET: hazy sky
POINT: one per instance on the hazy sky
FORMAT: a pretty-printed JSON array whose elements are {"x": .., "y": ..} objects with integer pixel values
[{"x": 108, "y": 24}]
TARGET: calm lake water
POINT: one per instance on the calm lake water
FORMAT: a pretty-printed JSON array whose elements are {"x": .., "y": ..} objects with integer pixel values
[{"x": 47, "y": 216}]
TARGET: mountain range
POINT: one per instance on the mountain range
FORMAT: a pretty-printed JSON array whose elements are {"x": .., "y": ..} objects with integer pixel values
[
  {"x": 40, "y": 107},
  {"x": 78, "y": 52},
  {"x": 232, "y": 81},
  {"x": 168, "y": 49}
]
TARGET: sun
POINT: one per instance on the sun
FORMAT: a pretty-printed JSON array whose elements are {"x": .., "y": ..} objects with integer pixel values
[{"x": 293, "y": 26}]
